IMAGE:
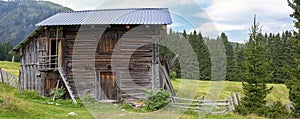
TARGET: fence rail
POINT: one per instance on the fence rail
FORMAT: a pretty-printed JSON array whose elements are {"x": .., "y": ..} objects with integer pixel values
[
  {"x": 6, "y": 77},
  {"x": 212, "y": 106}
]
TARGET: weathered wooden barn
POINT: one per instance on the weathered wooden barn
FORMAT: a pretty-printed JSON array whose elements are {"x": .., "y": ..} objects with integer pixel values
[{"x": 111, "y": 54}]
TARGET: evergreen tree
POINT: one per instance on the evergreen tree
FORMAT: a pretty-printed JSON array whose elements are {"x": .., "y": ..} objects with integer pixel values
[
  {"x": 204, "y": 58},
  {"x": 231, "y": 70},
  {"x": 184, "y": 34},
  {"x": 293, "y": 83},
  {"x": 239, "y": 59},
  {"x": 202, "y": 53},
  {"x": 255, "y": 75}
]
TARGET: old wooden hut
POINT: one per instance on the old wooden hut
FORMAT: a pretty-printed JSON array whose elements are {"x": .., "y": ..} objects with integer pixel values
[{"x": 111, "y": 54}]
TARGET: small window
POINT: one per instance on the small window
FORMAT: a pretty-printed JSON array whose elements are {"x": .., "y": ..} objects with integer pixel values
[{"x": 107, "y": 42}]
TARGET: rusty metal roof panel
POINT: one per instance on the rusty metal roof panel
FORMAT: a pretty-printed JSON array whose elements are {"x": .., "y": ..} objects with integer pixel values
[{"x": 110, "y": 16}]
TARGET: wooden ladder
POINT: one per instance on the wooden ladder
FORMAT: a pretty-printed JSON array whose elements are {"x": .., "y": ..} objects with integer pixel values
[{"x": 63, "y": 76}]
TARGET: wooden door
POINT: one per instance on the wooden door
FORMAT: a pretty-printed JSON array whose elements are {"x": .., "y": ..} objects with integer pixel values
[{"x": 107, "y": 88}]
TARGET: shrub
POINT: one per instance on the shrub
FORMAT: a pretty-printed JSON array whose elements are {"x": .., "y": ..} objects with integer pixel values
[
  {"x": 277, "y": 111},
  {"x": 241, "y": 109},
  {"x": 86, "y": 98},
  {"x": 173, "y": 75},
  {"x": 126, "y": 105},
  {"x": 158, "y": 100},
  {"x": 58, "y": 93}
]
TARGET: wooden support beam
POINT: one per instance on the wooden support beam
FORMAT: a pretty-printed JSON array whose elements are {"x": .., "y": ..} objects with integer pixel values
[
  {"x": 57, "y": 85},
  {"x": 62, "y": 74}
]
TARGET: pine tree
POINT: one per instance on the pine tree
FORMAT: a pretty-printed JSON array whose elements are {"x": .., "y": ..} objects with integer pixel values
[
  {"x": 184, "y": 34},
  {"x": 203, "y": 58},
  {"x": 293, "y": 83},
  {"x": 239, "y": 58},
  {"x": 230, "y": 69},
  {"x": 256, "y": 74},
  {"x": 202, "y": 53}
]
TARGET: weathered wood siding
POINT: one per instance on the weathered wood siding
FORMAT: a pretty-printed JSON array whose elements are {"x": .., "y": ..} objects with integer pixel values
[
  {"x": 30, "y": 76},
  {"x": 127, "y": 54},
  {"x": 108, "y": 62},
  {"x": 33, "y": 75}
]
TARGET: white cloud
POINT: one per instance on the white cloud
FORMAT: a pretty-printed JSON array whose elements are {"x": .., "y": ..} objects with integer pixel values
[
  {"x": 229, "y": 15},
  {"x": 229, "y": 27},
  {"x": 207, "y": 29},
  {"x": 238, "y": 10}
]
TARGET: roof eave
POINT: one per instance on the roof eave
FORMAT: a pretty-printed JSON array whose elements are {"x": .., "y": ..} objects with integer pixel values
[{"x": 33, "y": 34}]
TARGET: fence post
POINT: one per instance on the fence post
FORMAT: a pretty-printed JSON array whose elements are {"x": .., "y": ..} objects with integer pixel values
[
  {"x": 238, "y": 99},
  {"x": 7, "y": 78},
  {"x": 1, "y": 75},
  {"x": 227, "y": 104}
]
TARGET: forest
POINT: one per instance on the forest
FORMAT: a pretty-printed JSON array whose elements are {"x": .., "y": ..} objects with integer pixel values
[{"x": 279, "y": 51}]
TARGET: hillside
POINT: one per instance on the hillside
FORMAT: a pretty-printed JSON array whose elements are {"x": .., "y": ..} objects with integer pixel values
[
  {"x": 18, "y": 19},
  {"x": 11, "y": 67},
  {"x": 15, "y": 104}
]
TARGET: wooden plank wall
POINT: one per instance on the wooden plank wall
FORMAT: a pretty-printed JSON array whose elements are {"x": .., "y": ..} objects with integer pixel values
[
  {"x": 30, "y": 74},
  {"x": 33, "y": 76},
  {"x": 130, "y": 55},
  {"x": 133, "y": 63}
]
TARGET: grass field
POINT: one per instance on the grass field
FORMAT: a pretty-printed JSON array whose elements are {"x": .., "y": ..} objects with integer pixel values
[
  {"x": 15, "y": 104},
  {"x": 11, "y": 67},
  {"x": 28, "y": 105},
  {"x": 279, "y": 92}
]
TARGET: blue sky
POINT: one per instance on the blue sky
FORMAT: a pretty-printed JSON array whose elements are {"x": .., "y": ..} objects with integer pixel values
[{"x": 211, "y": 17}]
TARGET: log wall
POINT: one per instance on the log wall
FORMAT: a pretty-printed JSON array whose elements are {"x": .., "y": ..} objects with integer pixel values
[{"x": 108, "y": 62}]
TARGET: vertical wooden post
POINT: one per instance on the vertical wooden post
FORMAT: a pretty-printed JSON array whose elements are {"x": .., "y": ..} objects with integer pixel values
[
  {"x": 7, "y": 78},
  {"x": 42, "y": 84},
  {"x": 95, "y": 85},
  {"x": 21, "y": 70},
  {"x": 57, "y": 85},
  {"x": 152, "y": 65},
  {"x": 1, "y": 75},
  {"x": 19, "y": 81},
  {"x": 238, "y": 99},
  {"x": 228, "y": 104},
  {"x": 13, "y": 59},
  {"x": 234, "y": 102}
]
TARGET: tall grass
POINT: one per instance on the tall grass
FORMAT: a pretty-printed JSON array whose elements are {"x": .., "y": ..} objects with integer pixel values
[{"x": 279, "y": 92}]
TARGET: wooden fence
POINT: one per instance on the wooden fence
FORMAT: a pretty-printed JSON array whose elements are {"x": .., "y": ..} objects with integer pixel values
[
  {"x": 9, "y": 79},
  {"x": 211, "y": 106}
]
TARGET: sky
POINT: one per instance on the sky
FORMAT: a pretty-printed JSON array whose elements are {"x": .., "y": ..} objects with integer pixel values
[{"x": 210, "y": 17}]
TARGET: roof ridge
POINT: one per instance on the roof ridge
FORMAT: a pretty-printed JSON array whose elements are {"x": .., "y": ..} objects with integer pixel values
[{"x": 114, "y": 10}]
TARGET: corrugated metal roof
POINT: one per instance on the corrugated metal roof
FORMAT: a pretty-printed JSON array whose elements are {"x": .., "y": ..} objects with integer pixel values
[{"x": 110, "y": 16}]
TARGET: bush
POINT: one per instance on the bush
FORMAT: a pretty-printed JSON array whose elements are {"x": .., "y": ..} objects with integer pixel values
[
  {"x": 173, "y": 75},
  {"x": 157, "y": 100},
  {"x": 86, "y": 98},
  {"x": 277, "y": 111},
  {"x": 58, "y": 93},
  {"x": 241, "y": 109},
  {"x": 126, "y": 105}
]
